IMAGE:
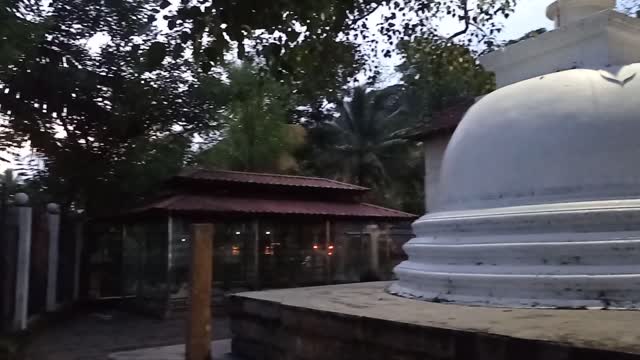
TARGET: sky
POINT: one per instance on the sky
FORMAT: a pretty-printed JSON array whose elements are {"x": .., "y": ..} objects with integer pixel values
[{"x": 528, "y": 15}]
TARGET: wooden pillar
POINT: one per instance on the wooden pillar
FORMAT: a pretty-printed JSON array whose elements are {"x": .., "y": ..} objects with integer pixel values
[
  {"x": 256, "y": 254},
  {"x": 199, "y": 321},
  {"x": 77, "y": 263},
  {"x": 330, "y": 251},
  {"x": 170, "y": 279}
]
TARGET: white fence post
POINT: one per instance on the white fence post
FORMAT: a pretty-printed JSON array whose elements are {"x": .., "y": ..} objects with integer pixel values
[
  {"x": 23, "y": 261},
  {"x": 53, "y": 224}
]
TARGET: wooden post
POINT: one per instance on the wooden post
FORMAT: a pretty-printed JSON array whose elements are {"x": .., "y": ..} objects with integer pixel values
[
  {"x": 170, "y": 279},
  {"x": 327, "y": 235},
  {"x": 77, "y": 263},
  {"x": 199, "y": 321},
  {"x": 256, "y": 254}
]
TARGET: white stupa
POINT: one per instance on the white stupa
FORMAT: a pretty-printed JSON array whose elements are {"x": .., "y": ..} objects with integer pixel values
[{"x": 540, "y": 183}]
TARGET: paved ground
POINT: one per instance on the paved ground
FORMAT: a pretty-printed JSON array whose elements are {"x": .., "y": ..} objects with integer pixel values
[
  {"x": 220, "y": 350},
  {"x": 94, "y": 336}
]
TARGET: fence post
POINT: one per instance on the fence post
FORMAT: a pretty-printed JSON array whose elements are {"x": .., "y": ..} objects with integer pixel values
[
  {"x": 77, "y": 263},
  {"x": 6, "y": 269},
  {"x": 23, "y": 261},
  {"x": 199, "y": 322},
  {"x": 53, "y": 227}
]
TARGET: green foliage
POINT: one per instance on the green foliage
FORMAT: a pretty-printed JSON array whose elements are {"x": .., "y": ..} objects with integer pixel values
[
  {"x": 363, "y": 146},
  {"x": 108, "y": 125},
  {"x": 298, "y": 39},
  {"x": 16, "y": 32},
  {"x": 255, "y": 134},
  {"x": 278, "y": 25},
  {"x": 358, "y": 145},
  {"x": 438, "y": 73},
  {"x": 88, "y": 114}
]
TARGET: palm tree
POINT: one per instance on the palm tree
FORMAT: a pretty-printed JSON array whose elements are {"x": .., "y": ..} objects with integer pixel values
[{"x": 363, "y": 145}]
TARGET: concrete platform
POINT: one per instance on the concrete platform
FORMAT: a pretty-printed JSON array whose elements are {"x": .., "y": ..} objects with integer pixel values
[
  {"x": 220, "y": 350},
  {"x": 361, "y": 321}
]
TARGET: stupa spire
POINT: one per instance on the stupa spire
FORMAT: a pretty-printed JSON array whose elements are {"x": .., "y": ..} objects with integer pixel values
[{"x": 564, "y": 12}]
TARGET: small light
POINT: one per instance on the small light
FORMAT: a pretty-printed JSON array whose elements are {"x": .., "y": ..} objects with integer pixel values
[
  {"x": 268, "y": 232},
  {"x": 183, "y": 240},
  {"x": 330, "y": 253},
  {"x": 315, "y": 247},
  {"x": 237, "y": 232},
  {"x": 330, "y": 247}
]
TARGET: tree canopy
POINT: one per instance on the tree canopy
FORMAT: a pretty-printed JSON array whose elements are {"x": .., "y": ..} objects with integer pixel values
[
  {"x": 255, "y": 135},
  {"x": 111, "y": 95},
  {"x": 437, "y": 74}
]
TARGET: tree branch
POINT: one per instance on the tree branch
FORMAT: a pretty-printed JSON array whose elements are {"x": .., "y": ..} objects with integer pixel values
[
  {"x": 359, "y": 18},
  {"x": 466, "y": 21}
]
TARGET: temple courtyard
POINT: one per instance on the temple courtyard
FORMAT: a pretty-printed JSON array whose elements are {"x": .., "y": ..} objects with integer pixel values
[
  {"x": 96, "y": 335},
  {"x": 353, "y": 321}
]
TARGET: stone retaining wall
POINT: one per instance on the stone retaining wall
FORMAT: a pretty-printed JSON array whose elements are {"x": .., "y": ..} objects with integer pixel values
[{"x": 268, "y": 330}]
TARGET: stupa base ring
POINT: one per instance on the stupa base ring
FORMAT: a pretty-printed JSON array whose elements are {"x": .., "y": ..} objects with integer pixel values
[{"x": 564, "y": 255}]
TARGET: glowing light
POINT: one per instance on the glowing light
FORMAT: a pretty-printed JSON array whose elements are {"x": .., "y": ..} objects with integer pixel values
[
  {"x": 237, "y": 232},
  {"x": 183, "y": 240},
  {"x": 330, "y": 247},
  {"x": 268, "y": 232},
  {"x": 330, "y": 253},
  {"x": 315, "y": 247}
]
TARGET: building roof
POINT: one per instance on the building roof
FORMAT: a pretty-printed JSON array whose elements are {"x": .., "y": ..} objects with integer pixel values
[
  {"x": 225, "y": 176},
  {"x": 251, "y": 205},
  {"x": 442, "y": 122}
]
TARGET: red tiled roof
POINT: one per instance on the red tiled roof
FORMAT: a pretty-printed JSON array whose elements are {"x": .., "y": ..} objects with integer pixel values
[
  {"x": 264, "y": 178},
  {"x": 441, "y": 121},
  {"x": 221, "y": 204}
]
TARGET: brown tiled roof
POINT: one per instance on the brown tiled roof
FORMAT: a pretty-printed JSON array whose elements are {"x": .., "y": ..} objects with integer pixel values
[
  {"x": 230, "y": 205},
  {"x": 443, "y": 121},
  {"x": 265, "y": 179}
]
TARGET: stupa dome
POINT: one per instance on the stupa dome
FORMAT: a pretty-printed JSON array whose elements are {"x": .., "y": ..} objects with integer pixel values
[
  {"x": 540, "y": 199},
  {"x": 567, "y": 136}
]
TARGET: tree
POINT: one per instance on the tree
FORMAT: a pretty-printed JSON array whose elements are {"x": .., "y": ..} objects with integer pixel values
[
  {"x": 360, "y": 146},
  {"x": 277, "y": 26},
  {"x": 316, "y": 47},
  {"x": 16, "y": 33},
  {"x": 256, "y": 136},
  {"x": 438, "y": 74},
  {"x": 87, "y": 113}
]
